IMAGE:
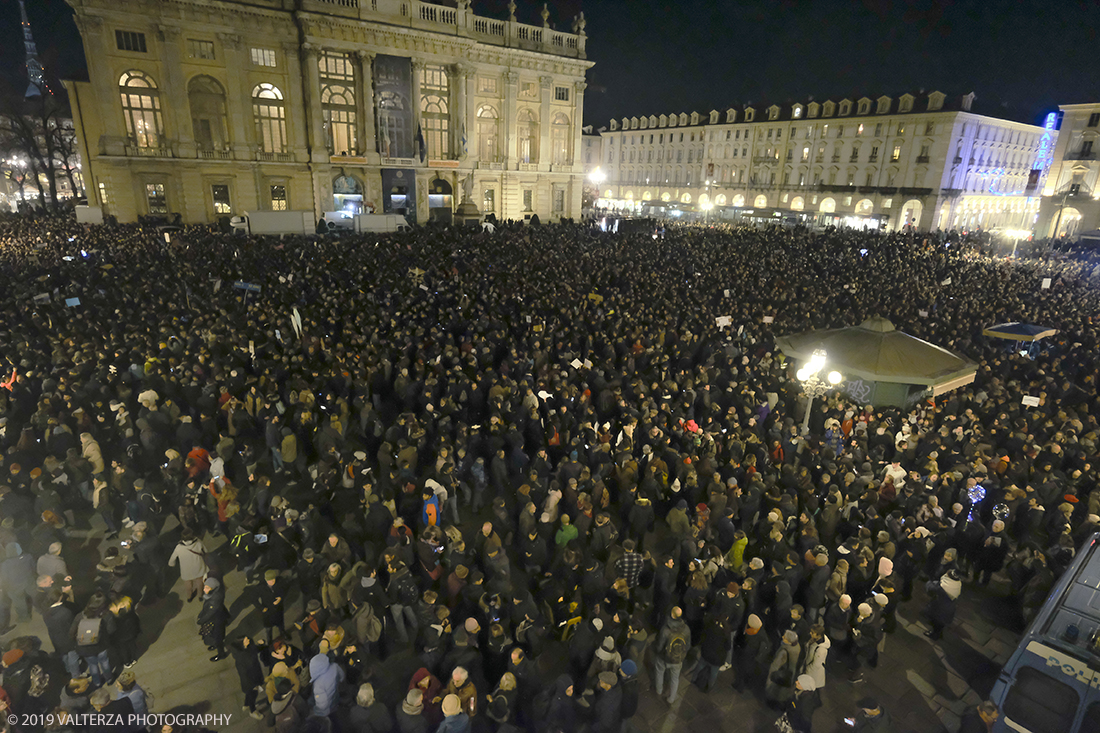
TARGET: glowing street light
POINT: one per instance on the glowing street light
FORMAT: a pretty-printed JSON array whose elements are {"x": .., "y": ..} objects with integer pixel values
[
  {"x": 597, "y": 176},
  {"x": 814, "y": 384}
]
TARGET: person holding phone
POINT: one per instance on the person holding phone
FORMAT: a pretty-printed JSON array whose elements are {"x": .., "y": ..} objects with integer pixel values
[{"x": 870, "y": 718}]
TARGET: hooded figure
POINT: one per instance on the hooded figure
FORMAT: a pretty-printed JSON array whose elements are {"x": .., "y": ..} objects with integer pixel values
[
  {"x": 325, "y": 678},
  {"x": 213, "y": 618}
]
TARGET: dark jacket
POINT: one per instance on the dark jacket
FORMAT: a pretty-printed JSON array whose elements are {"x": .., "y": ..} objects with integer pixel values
[{"x": 59, "y": 624}]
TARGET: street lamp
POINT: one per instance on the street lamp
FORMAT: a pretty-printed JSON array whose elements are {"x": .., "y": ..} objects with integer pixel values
[
  {"x": 706, "y": 206},
  {"x": 814, "y": 384}
]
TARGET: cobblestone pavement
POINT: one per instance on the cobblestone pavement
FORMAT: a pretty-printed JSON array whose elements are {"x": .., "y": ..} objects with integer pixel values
[{"x": 924, "y": 686}]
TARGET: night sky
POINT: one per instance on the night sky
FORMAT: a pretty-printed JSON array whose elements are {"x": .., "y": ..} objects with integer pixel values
[{"x": 1021, "y": 57}]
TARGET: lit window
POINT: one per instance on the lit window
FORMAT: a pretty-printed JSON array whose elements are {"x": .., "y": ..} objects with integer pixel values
[
  {"x": 278, "y": 198},
  {"x": 896, "y": 155},
  {"x": 197, "y": 49},
  {"x": 263, "y": 57},
  {"x": 141, "y": 109},
  {"x": 220, "y": 193},
  {"x": 269, "y": 114},
  {"x": 337, "y": 74},
  {"x": 487, "y": 84},
  {"x": 154, "y": 196},
  {"x": 434, "y": 106},
  {"x": 561, "y": 94}
]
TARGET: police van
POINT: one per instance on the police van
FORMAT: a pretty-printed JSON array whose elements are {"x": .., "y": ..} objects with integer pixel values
[{"x": 1051, "y": 683}]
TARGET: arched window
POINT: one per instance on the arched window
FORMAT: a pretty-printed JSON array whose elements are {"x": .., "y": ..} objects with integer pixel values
[
  {"x": 528, "y": 137},
  {"x": 559, "y": 140},
  {"x": 488, "y": 133},
  {"x": 269, "y": 113},
  {"x": 141, "y": 109},
  {"x": 828, "y": 205},
  {"x": 206, "y": 98},
  {"x": 337, "y": 74},
  {"x": 761, "y": 201},
  {"x": 338, "y": 109},
  {"x": 798, "y": 203},
  {"x": 738, "y": 200},
  {"x": 686, "y": 198},
  {"x": 435, "y": 110}
]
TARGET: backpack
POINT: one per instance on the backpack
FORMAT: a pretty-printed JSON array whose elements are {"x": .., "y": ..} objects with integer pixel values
[
  {"x": 407, "y": 592},
  {"x": 87, "y": 631},
  {"x": 368, "y": 627},
  {"x": 676, "y": 648}
]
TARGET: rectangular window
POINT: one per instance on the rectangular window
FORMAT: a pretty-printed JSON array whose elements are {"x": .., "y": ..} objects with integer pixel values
[
  {"x": 197, "y": 49},
  {"x": 896, "y": 155},
  {"x": 840, "y": 130},
  {"x": 859, "y": 130},
  {"x": 878, "y": 129},
  {"x": 1094, "y": 119},
  {"x": 220, "y": 193},
  {"x": 769, "y": 134},
  {"x": 874, "y": 154},
  {"x": 263, "y": 57},
  {"x": 489, "y": 201},
  {"x": 867, "y": 180},
  {"x": 561, "y": 94},
  {"x": 104, "y": 197},
  {"x": 778, "y": 134},
  {"x": 528, "y": 199},
  {"x": 487, "y": 84},
  {"x": 930, "y": 128},
  {"x": 1086, "y": 148},
  {"x": 528, "y": 89},
  {"x": 154, "y": 195},
  {"x": 901, "y": 129},
  {"x": 278, "y": 198},
  {"x": 130, "y": 41},
  {"x": 887, "y": 203},
  {"x": 559, "y": 200}
]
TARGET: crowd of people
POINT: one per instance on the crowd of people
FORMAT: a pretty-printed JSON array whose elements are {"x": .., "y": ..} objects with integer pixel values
[{"x": 528, "y": 459}]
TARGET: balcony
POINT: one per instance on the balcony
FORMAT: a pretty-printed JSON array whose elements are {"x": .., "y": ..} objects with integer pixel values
[
  {"x": 490, "y": 165},
  {"x": 873, "y": 159},
  {"x": 836, "y": 158},
  {"x": 853, "y": 159},
  {"x": 764, "y": 159},
  {"x": 922, "y": 158},
  {"x": 951, "y": 192},
  {"x": 274, "y": 157},
  {"x": 457, "y": 21},
  {"x": 214, "y": 154},
  {"x": 915, "y": 191},
  {"x": 140, "y": 151},
  {"x": 1080, "y": 155},
  {"x": 957, "y": 160}
]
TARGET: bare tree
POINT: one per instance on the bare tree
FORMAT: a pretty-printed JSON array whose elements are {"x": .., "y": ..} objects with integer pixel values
[{"x": 39, "y": 131}]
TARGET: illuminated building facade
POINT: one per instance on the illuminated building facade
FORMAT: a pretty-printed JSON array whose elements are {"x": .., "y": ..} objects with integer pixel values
[
  {"x": 1071, "y": 195},
  {"x": 208, "y": 108},
  {"x": 924, "y": 161}
]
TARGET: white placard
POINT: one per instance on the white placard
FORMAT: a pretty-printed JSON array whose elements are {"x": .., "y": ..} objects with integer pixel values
[
  {"x": 723, "y": 321},
  {"x": 726, "y": 292},
  {"x": 769, "y": 319},
  {"x": 1030, "y": 401},
  {"x": 945, "y": 282},
  {"x": 576, "y": 364},
  {"x": 1046, "y": 283},
  {"x": 922, "y": 314},
  {"x": 587, "y": 363}
]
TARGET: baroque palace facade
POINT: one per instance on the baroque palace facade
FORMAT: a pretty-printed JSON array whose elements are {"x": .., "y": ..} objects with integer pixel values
[
  {"x": 924, "y": 161},
  {"x": 208, "y": 108}
]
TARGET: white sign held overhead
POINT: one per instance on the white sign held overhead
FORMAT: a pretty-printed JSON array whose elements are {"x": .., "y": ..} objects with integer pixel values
[
  {"x": 922, "y": 314},
  {"x": 726, "y": 292},
  {"x": 723, "y": 321},
  {"x": 769, "y": 319},
  {"x": 576, "y": 364},
  {"x": 1046, "y": 283},
  {"x": 1029, "y": 401},
  {"x": 945, "y": 282}
]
